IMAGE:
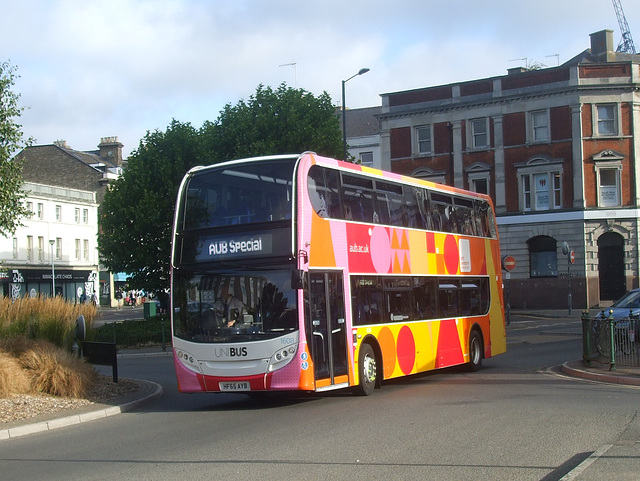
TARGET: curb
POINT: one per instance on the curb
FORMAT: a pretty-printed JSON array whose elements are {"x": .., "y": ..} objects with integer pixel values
[
  {"x": 594, "y": 376},
  {"x": 81, "y": 418}
]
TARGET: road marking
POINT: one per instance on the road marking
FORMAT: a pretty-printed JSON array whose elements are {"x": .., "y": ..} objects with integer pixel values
[{"x": 579, "y": 469}]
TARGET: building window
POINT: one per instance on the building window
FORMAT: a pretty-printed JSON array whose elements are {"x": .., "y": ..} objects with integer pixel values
[
  {"x": 86, "y": 249},
  {"x": 541, "y": 191},
  {"x": 40, "y": 211},
  {"x": 478, "y": 176},
  {"x": 607, "y": 119},
  {"x": 77, "y": 215},
  {"x": 540, "y": 184},
  {"x": 15, "y": 247},
  {"x": 366, "y": 158},
  {"x": 85, "y": 216},
  {"x": 479, "y": 133},
  {"x": 423, "y": 139},
  {"x": 543, "y": 256},
  {"x": 480, "y": 185},
  {"x": 540, "y": 126},
  {"x": 30, "y": 209},
  {"x": 608, "y": 187},
  {"x": 608, "y": 169},
  {"x": 78, "y": 253},
  {"x": 40, "y": 249},
  {"x": 58, "y": 248},
  {"x": 58, "y": 213},
  {"x": 29, "y": 247}
]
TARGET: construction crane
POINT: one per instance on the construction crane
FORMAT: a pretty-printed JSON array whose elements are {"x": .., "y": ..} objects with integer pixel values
[{"x": 626, "y": 42}]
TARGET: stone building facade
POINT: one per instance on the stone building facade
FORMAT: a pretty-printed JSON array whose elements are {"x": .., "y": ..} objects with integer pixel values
[
  {"x": 556, "y": 149},
  {"x": 57, "y": 246}
]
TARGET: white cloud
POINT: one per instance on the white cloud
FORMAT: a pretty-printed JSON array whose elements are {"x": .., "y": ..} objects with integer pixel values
[{"x": 123, "y": 67}]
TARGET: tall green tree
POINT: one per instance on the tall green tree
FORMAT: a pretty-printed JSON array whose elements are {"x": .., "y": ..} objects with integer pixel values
[
  {"x": 12, "y": 206},
  {"x": 281, "y": 121},
  {"x": 137, "y": 211}
]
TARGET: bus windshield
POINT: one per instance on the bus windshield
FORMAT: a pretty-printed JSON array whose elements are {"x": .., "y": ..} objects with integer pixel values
[
  {"x": 243, "y": 306},
  {"x": 239, "y": 194}
]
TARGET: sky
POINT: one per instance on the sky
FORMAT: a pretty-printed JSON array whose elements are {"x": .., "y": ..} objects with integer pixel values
[{"x": 100, "y": 68}]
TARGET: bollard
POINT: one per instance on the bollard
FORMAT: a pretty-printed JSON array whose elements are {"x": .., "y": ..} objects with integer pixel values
[
  {"x": 612, "y": 366},
  {"x": 586, "y": 338}
]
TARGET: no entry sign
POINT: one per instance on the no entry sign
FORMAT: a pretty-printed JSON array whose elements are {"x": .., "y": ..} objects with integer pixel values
[{"x": 508, "y": 263}]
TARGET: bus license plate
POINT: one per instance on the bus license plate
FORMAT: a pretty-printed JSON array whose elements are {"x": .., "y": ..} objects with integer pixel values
[{"x": 235, "y": 386}]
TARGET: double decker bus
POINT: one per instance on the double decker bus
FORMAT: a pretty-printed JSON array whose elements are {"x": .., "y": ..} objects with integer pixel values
[{"x": 301, "y": 272}]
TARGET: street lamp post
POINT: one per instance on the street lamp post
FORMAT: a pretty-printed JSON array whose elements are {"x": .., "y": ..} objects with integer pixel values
[
  {"x": 344, "y": 120},
  {"x": 53, "y": 271},
  {"x": 566, "y": 250}
]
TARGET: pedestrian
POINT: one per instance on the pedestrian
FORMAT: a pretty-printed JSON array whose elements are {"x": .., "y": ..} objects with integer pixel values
[{"x": 119, "y": 300}]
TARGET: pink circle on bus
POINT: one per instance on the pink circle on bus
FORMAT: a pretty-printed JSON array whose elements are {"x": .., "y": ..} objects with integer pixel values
[
  {"x": 380, "y": 249},
  {"x": 406, "y": 350}
]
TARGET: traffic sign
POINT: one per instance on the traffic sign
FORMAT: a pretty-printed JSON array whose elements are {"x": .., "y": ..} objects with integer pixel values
[
  {"x": 508, "y": 263},
  {"x": 572, "y": 257}
]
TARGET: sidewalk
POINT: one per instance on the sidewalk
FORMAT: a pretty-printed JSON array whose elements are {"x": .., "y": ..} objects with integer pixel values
[
  {"x": 619, "y": 461},
  {"x": 146, "y": 392}
]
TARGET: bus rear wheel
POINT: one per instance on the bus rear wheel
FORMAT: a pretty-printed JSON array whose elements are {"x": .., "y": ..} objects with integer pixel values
[
  {"x": 368, "y": 366},
  {"x": 475, "y": 351}
]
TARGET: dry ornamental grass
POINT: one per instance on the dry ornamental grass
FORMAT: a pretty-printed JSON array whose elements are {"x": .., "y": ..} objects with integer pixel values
[{"x": 38, "y": 378}]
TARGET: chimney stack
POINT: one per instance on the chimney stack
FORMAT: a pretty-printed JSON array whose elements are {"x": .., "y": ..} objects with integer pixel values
[
  {"x": 111, "y": 150},
  {"x": 602, "y": 48}
]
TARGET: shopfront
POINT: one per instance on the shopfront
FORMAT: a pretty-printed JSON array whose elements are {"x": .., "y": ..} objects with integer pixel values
[{"x": 73, "y": 285}]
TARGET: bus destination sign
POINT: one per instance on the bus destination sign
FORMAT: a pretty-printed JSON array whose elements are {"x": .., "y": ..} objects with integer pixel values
[
  {"x": 219, "y": 248},
  {"x": 222, "y": 247}
]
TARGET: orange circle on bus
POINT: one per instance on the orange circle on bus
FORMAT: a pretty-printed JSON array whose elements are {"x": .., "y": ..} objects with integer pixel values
[{"x": 388, "y": 348}]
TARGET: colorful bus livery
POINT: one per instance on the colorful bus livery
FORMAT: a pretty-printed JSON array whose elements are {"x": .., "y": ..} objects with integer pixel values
[{"x": 307, "y": 273}]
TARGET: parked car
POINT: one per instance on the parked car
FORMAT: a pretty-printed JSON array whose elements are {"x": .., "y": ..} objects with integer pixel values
[
  {"x": 627, "y": 305},
  {"x": 626, "y": 314}
]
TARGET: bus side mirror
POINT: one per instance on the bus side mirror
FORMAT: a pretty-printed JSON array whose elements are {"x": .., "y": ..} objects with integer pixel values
[{"x": 297, "y": 279}]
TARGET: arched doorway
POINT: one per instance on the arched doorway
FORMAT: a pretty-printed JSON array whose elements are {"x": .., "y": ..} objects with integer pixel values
[{"x": 611, "y": 266}]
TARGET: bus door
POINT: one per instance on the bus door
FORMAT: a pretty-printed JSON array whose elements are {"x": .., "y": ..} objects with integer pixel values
[{"x": 328, "y": 329}]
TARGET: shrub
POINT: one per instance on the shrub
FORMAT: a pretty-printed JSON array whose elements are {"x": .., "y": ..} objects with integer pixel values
[
  {"x": 41, "y": 317},
  {"x": 56, "y": 372},
  {"x": 13, "y": 378}
]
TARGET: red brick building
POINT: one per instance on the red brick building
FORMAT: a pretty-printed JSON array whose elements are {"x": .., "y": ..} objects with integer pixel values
[{"x": 556, "y": 149}]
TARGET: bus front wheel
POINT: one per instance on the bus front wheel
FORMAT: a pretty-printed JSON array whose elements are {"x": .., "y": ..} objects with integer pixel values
[
  {"x": 475, "y": 351},
  {"x": 367, "y": 365}
]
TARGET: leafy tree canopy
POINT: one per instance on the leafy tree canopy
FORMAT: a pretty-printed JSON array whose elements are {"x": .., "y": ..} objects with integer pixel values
[
  {"x": 12, "y": 206},
  {"x": 282, "y": 121},
  {"x": 137, "y": 212}
]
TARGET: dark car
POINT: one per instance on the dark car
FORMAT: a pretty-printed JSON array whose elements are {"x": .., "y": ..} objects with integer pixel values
[
  {"x": 626, "y": 315},
  {"x": 627, "y": 305}
]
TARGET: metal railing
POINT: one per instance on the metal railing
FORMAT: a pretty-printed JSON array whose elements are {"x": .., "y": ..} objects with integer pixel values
[{"x": 609, "y": 340}]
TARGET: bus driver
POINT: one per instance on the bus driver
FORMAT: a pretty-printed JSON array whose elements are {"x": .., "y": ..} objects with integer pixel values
[{"x": 234, "y": 309}]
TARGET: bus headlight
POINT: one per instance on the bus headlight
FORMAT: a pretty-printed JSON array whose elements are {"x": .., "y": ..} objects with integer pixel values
[
  {"x": 282, "y": 357},
  {"x": 187, "y": 358}
]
